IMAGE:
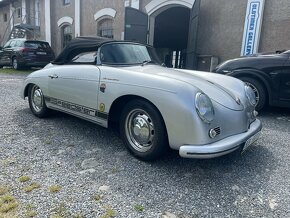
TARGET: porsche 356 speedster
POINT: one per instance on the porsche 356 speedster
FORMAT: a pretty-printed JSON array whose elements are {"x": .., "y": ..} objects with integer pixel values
[{"x": 203, "y": 115}]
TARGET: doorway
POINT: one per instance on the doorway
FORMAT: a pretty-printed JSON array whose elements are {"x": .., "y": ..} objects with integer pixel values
[{"x": 170, "y": 39}]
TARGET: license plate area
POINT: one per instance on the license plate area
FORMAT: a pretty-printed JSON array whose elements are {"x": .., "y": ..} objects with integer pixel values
[{"x": 250, "y": 141}]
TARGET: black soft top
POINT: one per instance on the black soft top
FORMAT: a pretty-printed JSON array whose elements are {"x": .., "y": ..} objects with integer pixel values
[{"x": 79, "y": 45}]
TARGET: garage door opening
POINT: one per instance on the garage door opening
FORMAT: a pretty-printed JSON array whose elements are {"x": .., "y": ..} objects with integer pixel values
[{"x": 170, "y": 35}]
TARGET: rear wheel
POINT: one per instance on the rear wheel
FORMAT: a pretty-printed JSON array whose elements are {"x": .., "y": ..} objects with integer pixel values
[
  {"x": 143, "y": 131},
  {"x": 36, "y": 101},
  {"x": 15, "y": 64},
  {"x": 259, "y": 91}
]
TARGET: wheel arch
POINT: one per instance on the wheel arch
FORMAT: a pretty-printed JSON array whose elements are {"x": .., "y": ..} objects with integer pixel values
[
  {"x": 260, "y": 76},
  {"x": 25, "y": 90},
  {"x": 119, "y": 103}
]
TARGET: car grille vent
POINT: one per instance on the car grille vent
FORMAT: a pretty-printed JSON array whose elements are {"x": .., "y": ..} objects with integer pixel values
[{"x": 218, "y": 130}]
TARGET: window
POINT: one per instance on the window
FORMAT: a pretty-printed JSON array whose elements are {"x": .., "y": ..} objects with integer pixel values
[
  {"x": 19, "y": 12},
  {"x": 5, "y": 17},
  {"x": 66, "y": 2},
  {"x": 105, "y": 28},
  {"x": 13, "y": 43},
  {"x": 125, "y": 53},
  {"x": 36, "y": 45},
  {"x": 85, "y": 58},
  {"x": 7, "y": 45},
  {"x": 66, "y": 35}
]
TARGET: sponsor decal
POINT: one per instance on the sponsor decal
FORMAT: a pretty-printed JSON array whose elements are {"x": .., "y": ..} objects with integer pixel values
[
  {"x": 102, "y": 107},
  {"x": 103, "y": 87},
  {"x": 78, "y": 108}
]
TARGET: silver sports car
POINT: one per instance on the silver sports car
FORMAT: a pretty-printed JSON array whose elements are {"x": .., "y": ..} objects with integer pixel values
[{"x": 203, "y": 115}]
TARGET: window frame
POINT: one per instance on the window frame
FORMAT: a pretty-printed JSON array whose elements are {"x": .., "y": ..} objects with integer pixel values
[
  {"x": 5, "y": 17},
  {"x": 66, "y": 2},
  {"x": 100, "y": 25},
  {"x": 64, "y": 42},
  {"x": 19, "y": 12}
]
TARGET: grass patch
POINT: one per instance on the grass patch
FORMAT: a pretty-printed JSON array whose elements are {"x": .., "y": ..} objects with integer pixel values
[
  {"x": 7, "y": 204},
  {"x": 60, "y": 212},
  {"x": 3, "y": 190},
  {"x": 98, "y": 197},
  {"x": 47, "y": 142},
  {"x": 54, "y": 188},
  {"x": 109, "y": 213},
  {"x": 31, "y": 187},
  {"x": 30, "y": 212},
  {"x": 24, "y": 178},
  {"x": 79, "y": 215},
  {"x": 12, "y": 71},
  {"x": 115, "y": 170},
  {"x": 139, "y": 207}
]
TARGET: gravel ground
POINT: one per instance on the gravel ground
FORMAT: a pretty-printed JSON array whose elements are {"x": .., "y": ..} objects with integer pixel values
[{"x": 94, "y": 175}]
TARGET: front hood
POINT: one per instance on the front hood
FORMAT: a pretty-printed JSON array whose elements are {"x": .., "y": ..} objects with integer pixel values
[
  {"x": 258, "y": 61},
  {"x": 224, "y": 90}
]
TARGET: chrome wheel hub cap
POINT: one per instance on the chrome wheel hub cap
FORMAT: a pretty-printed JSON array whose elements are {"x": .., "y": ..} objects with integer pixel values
[
  {"x": 140, "y": 130},
  {"x": 37, "y": 99},
  {"x": 255, "y": 91}
]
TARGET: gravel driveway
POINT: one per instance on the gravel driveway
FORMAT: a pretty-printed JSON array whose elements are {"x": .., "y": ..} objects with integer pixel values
[{"x": 62, "y": 166}]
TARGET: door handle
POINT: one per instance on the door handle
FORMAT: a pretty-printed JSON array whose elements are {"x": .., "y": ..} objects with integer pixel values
[{"x": 54, "y": 76}]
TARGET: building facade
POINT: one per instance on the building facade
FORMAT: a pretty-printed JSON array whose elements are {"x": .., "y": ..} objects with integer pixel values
[{"x": 186, "y": 33}]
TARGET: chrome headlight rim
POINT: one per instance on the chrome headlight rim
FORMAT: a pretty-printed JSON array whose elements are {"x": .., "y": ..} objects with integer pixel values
[
  {"x": 204, "y": 107},
  {"x": 250, "y": 95}
]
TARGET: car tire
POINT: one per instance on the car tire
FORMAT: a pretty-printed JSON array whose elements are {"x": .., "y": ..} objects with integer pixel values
[
  {"x": 143, "y": 130},
  {"x": 36, "y": 102},
  {"x": 259, "y": 90},
  {"x": 15, "y": 64}
]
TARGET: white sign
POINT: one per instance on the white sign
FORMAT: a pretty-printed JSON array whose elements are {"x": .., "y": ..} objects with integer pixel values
[
  {"x": 252, "y": 28},
  {"x": 127, "y": 3},
  {"x": 135, "y": 4}
]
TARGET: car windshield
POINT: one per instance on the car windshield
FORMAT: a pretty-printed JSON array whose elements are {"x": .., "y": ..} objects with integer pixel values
[
  {"x": 128, "y": 54},
  {"x": 286, "y": 52}
]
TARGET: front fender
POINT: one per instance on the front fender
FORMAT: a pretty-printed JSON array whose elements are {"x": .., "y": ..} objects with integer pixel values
[{"x": 261, "y": 76}]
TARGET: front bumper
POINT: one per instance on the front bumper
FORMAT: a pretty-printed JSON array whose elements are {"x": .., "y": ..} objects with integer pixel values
[{"x": 221, "y": 147}]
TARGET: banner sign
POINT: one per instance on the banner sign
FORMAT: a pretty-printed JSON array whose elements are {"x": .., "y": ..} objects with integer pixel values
[{"x": 252, "y": 28}]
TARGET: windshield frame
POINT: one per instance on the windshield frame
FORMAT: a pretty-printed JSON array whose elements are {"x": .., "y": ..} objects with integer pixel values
[{"x": 151, "y": 51}]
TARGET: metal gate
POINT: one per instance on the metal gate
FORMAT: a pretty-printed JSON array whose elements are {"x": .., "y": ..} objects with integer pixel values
[
  {"x": 136, "y": 25},
  {"x": 191, "y": 59}
]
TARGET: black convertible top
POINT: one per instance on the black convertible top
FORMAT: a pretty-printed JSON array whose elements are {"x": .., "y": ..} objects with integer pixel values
[{"x": 79, "y": 45}]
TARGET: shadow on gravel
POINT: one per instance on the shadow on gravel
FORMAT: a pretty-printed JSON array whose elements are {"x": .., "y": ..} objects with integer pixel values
[
  {"x": 211, "y": 177},
  {"x": 275, "y": 111}
]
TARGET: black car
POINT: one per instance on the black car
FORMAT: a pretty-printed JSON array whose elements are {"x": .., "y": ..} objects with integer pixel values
[
  {"x": 268, "y": 75},
  {"x": 20, "y": 53}
]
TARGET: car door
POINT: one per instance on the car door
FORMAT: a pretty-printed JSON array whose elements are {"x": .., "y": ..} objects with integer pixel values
[
  {"x": 5, "y": 54},
  {"x": 284, "y": 91},
  {"x": 74, "y": 87}
]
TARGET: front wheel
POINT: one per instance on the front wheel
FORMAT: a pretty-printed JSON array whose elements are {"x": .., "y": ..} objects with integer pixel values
[
  {"x": 259, "y": 91},
  {"x": 143, "y": 131},
  {"x": 36, "y": 101}
]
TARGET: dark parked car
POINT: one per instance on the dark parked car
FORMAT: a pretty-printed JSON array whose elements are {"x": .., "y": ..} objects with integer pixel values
[
  {"x": 20, "y": 53},
  {"x": 268, "y": 75}
]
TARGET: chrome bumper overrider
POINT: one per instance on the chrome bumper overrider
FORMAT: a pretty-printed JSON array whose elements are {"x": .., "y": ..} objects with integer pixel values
[{"x": 221, "y": 147}]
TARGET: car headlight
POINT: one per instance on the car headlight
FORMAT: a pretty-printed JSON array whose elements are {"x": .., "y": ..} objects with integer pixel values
[
  {"x": 250, "y": 95},
  {"x": 204, "y": 107}
]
